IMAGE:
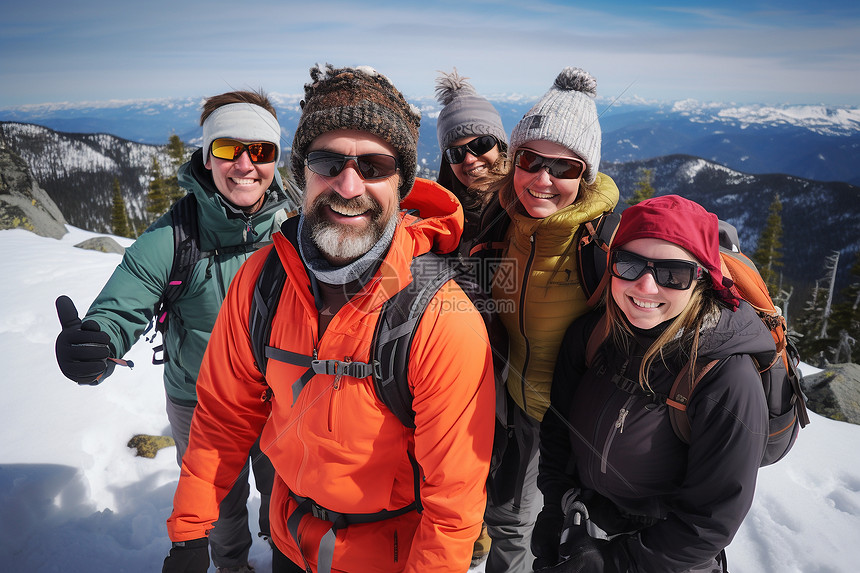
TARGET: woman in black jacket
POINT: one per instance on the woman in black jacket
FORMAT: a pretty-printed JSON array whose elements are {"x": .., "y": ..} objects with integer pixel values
[{"x": 622, "y": 492}]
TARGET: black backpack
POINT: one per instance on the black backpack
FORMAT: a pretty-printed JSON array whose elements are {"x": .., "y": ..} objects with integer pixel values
[
  {"x": 592, "y": 253},
  {"x": 392, "y": 338},
  {"x": 186, "y": 253}
]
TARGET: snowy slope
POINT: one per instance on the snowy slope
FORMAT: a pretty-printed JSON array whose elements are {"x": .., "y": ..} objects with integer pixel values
[{"x": 74, "y": 498}]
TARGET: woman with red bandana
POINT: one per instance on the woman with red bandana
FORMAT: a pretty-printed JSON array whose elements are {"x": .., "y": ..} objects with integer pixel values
[{"x": 647, "y": 501}]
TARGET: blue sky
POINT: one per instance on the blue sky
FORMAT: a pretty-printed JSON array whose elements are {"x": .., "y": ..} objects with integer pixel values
[{"x": 746, "y": 52}]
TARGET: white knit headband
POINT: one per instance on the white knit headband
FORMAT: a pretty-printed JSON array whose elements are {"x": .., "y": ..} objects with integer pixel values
[{"x": 244, "y": 121}]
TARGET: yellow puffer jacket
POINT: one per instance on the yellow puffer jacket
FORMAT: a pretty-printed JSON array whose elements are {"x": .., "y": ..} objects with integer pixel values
[{"x": 541, "y": 295}]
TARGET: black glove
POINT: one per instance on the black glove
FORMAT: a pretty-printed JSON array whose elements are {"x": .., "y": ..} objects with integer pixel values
[
  {"x": 188, "y": 557},
  {"x": 594, "y": 556},
  {"x": 545, "y": 536},
  {"x": 82, "y": 349}
]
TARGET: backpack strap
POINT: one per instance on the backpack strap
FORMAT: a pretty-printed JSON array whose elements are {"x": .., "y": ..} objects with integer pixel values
[
  {"x": 592, "y": 252},
  {"x": 596, "y": 338},
  {"x": 792, "y": 359},
  {"x": 267, "y": 293},
  {"x": 391, "y": 341},
  {"x": 325, "y": 552},
  {"x": 396, "y": 328},
  {"x": 679, "y": 397},
  {"x": 186, "y": 253}
]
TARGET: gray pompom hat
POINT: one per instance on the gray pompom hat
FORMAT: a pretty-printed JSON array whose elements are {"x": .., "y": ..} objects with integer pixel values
[
  {"x": 465, "y": 113},
  {"x": 566, "y": 115}
]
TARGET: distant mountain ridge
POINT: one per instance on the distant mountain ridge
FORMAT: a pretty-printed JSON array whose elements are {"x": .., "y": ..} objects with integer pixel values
[
  {"x": 77, "y": 172},
  {"x": 811, "y": 141},
  {"x": 818, "y": 217}
]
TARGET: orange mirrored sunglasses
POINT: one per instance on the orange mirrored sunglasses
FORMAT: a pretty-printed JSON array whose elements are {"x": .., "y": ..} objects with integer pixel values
[{"x": 231, "y": 149}]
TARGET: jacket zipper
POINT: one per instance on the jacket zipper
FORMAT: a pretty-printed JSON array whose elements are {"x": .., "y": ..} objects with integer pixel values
[
  {"x": 522, "y": 319},
  {"x": 334, "y": 388},
  {"x": 617, "y": 428}
]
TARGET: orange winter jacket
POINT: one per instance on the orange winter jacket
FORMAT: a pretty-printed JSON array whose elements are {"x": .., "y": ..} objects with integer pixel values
[{"x": 338, "y": 444}]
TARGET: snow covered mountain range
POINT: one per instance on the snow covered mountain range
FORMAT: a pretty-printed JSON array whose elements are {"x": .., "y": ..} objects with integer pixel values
[
  {"x": 811, "y": 141},
  {"x": 731, "y": 159}
]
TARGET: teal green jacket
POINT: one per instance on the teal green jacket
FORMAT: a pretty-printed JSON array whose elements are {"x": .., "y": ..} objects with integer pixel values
[{"x": 228, "y": 236}]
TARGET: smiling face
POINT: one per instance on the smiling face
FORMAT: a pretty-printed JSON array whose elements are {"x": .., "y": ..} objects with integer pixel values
[
  {"x": 645, "y": 303},
  {"x": 473, "y": 168},
  {"x": 348, "y": 214},
  {"x": 539, "y": 193},
  {"x": 240, "y": 181}
]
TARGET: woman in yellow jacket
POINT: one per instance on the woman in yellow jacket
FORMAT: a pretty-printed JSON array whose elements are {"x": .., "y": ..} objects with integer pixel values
[{"x": 552, "y": 188}]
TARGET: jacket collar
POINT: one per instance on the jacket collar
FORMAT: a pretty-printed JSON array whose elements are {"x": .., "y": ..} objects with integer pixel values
[
  {"x": 431, "y": 219},
  {"x": 222, "y": 223}
]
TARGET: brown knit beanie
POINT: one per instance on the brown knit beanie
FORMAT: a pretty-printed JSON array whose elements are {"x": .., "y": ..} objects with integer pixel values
[{"x": 362, "y": 99}]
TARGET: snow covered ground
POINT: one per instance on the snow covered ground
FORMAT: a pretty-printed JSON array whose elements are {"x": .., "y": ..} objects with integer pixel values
[{"x": 74, "y": 498}]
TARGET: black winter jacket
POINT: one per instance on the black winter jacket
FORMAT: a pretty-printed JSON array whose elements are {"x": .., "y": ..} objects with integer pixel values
[{"x": 685, "y": 503}]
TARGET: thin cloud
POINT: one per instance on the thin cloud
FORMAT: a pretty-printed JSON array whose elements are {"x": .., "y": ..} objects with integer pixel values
[{"x": 94, "y": 50}]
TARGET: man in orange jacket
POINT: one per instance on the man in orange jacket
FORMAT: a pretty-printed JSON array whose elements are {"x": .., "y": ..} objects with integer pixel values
[{"x": 412, "y": 499}]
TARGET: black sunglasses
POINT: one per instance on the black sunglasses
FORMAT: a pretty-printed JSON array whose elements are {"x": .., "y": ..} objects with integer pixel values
[
  {"x": 558, "y": 167},
  {"x": 370, "y": 166},
  {"x": 231, "y": 149},
  {"x": 670, "y": 273},
  {"x": 477, "y": 147}
]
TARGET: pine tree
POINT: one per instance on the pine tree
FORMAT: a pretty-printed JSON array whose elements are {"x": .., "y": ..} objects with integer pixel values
[
  {"x": 118, "y": 216},
  {"x": 819, "y": 340},
  {"x": 643, "y": 188},
  {"x": 845, "y": 318},
  {"x": 831, "y": 264},
  {"x": 176, "y": 152},
  {"x": 157, "y": 202},
  {"x": 808, "y": 325},
  {"x": 768, "y": 255}
]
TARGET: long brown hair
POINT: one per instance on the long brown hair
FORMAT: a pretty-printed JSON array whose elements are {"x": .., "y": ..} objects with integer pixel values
[{"x": 682, "y": 334}]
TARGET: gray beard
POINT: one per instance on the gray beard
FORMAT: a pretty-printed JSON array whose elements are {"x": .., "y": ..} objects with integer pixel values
[
  {"x": 324, "y": 271},
  {"x": 343, "y": 243}
]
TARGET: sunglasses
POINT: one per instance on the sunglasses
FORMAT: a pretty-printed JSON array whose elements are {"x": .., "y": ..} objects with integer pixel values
[
  {"x": 670, "y": 273},
  {"x": 558, "y": 167},
  {"x": 370, "y": 165},
  {"x": 258, "y": 151},
  {"x": 477, "y": 147}
]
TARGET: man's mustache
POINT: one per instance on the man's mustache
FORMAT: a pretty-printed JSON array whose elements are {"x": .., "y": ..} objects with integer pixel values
[{"x": 353, "y": 205}]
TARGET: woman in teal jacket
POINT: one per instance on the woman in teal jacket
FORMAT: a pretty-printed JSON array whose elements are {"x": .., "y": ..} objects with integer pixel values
[{"x": 240, "y": 201}]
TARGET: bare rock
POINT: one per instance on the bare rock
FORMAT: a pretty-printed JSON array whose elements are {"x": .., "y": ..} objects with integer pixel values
[
  {"x": 835, "y": 392},
  {"x": 23, "y": 204},
  {"x": 147, "y": 445},
  {"x": 102, "y": 244}
]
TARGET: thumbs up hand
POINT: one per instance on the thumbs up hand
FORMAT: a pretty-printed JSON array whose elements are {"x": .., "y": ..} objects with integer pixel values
[{"x": 83, "y": 351}]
